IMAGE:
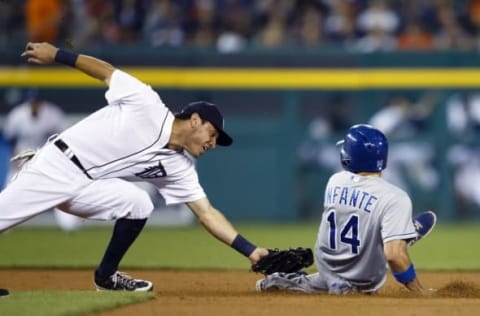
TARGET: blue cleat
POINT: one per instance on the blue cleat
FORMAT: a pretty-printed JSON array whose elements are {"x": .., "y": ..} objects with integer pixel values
[{"x": 424, "y": 224}]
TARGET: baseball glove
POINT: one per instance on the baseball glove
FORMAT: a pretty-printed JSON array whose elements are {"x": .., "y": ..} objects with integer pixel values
[{"x": 288, "y": 260}]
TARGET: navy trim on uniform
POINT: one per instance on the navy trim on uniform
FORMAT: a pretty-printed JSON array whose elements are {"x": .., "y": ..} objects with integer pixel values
[
  {"x": 141, "y": 162},
  {"x": 60, "y": 144},
  {"x": 401, "y": 235}
]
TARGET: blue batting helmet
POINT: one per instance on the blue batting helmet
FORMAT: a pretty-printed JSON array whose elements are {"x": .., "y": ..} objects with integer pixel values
[{"x": 363, "y": 149}]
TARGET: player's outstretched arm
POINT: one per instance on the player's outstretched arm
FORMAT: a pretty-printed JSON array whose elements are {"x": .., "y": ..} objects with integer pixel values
[
  {"x": 216, "y": 223},
  {"x": 402, "y": 267},
  {"x": 45, "y": 54}
]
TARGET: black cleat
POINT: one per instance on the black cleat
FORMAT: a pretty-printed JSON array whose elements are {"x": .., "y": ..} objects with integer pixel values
[{"x": 120, "y": 281}]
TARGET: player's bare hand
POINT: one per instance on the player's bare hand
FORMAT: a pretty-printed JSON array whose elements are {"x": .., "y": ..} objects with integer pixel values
[
  {"x": 257, "y": 254},
  {"x": 40, "y": 53}
]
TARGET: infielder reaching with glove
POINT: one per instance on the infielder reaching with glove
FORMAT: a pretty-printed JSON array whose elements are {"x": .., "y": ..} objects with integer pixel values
[
  {"x": 86, "y": 170},
  {"x": 366, "y": 223}
]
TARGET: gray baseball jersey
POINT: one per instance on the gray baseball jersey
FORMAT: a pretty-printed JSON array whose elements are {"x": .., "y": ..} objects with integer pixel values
[{"x": 361, "y": 213}]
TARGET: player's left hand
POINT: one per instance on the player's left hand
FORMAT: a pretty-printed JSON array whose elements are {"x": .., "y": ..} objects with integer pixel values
[
  {"x": 257, "y": 254},
  {"x": 286, "y": 260},
  {"x": 40, "y": 53}
]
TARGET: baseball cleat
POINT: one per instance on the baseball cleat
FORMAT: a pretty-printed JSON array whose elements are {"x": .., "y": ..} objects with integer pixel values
[
  {"x": 260, "y": 285},
  {"x": 424, "y": 224},
  {"x": 120, "y": 281}
]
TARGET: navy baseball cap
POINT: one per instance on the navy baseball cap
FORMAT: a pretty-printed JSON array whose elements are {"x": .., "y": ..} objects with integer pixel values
[{"x": 209, "y": 112}]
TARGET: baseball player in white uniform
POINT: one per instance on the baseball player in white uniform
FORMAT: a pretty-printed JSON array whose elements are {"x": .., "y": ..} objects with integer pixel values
[
  {"x": 366, "y": 223},
  {"x": 29, "y": 124},
  {"x": 27, "y": 127},
  {"x": 86, "y": 170}
]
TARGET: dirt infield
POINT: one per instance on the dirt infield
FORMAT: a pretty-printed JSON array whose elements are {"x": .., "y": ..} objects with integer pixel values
[{"x": 233, "y": 293}]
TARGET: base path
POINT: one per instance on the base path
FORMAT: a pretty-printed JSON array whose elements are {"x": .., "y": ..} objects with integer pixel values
[{"x": 233, "y": 293}]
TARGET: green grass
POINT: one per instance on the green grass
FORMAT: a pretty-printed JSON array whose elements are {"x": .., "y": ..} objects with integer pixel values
[
  {"x": 449, "y": 247},
  {"x": 452, "y": 247},
  {"x": 52, "y": 303}
]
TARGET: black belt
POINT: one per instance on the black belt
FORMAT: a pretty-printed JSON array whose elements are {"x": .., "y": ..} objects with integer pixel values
[{"x": 68, "y": 152}]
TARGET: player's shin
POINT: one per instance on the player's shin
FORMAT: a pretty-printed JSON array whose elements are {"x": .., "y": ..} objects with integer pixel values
[{"x": 124, "y": 234}]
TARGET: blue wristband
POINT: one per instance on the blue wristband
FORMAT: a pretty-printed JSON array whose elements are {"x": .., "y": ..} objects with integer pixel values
[
  {"x": 66, "y": 57},
  {"x": 243, "y": 246},
  {"x": 406, "y": 276}
]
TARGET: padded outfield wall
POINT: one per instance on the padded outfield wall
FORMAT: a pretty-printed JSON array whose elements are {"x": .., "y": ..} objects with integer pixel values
[{"x": 269, "y": 98}]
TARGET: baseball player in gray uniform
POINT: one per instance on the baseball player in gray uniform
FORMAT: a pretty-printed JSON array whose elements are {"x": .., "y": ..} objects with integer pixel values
[
  {"x": 87, "y": 169},
  {"x": 366, "y": 223}
]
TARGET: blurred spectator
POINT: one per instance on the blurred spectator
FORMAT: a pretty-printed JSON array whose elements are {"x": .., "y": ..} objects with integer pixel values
[
  {"x": 463, "y": 124},
  {"x": 414, "y": 38},
  {"x": 44, "y": 19},
  {"x": 378, "y": 17},
  {"x": 463, "y": 115},
  {"x": 27, "y": 127},
  {"x": 233, "y": 25},
  {"x": 273, "y": 30},
  {"x": 309, "y": 31},
  {"x": 236, "y": 30},
  {"x": 340, "y": 22},
  {"x": 81, "y": 23},
  {"x": 410, "y": 158},
  {"x": 378, "y": 24},
  {"x": 318, "y": 153},
  {"x": 450, "y": 33},
  {"x": 11, "y": 21},
  {"x": 203, "y": 24},
  {"x": 376, "y": 39},
  {"x": 163, "y": 24},
  {"x": 93, "y": 23},
  {"x": 29, "y": 124},
  {"x": 129, "y": 16},
  {"x": 465, "y": 165},
  {"x": 474, "y": 11}
]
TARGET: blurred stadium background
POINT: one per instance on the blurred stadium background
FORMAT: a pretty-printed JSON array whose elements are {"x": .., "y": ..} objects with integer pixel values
[{"x": 291, "y": 76}]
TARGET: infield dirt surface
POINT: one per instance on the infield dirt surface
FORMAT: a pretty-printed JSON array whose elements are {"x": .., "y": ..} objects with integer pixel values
[{"x": 233, "y": 293}]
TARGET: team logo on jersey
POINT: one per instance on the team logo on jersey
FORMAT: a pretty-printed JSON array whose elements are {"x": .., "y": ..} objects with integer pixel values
[{"x": 157, "y": 171}]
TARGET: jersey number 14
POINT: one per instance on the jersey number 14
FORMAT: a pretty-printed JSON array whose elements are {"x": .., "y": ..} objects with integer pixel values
[{"x": 348, "y": 232}]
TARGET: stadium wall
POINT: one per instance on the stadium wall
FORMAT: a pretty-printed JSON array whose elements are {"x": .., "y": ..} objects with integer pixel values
[{"x": 269, "y": 98}]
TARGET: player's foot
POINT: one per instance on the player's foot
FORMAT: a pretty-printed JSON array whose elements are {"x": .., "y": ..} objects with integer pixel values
[
  {"x": 282, "y": 281},
  {"x": 266, "y": 284},
  {"x": 424, "y": 224},
  {"x": 120, "y": 281},
  {"x": 4, "y": 292},
  {"x": 260, "y": 285}
]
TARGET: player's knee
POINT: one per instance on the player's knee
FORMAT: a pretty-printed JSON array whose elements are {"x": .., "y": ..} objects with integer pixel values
[{"x": 139, "y": 205}]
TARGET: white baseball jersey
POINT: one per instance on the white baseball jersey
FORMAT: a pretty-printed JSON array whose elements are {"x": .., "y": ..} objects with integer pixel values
[
  {"x": 361, "y": 213},
  {"x": 32, "y": 132},
  {"x": 127, "y": 139}
]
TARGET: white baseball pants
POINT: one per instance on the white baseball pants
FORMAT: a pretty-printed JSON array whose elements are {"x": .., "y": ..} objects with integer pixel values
[{"x": 50, "y": 179}]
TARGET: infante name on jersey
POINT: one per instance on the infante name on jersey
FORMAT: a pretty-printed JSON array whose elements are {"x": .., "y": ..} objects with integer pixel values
[{"x": 350, "y": 196}]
